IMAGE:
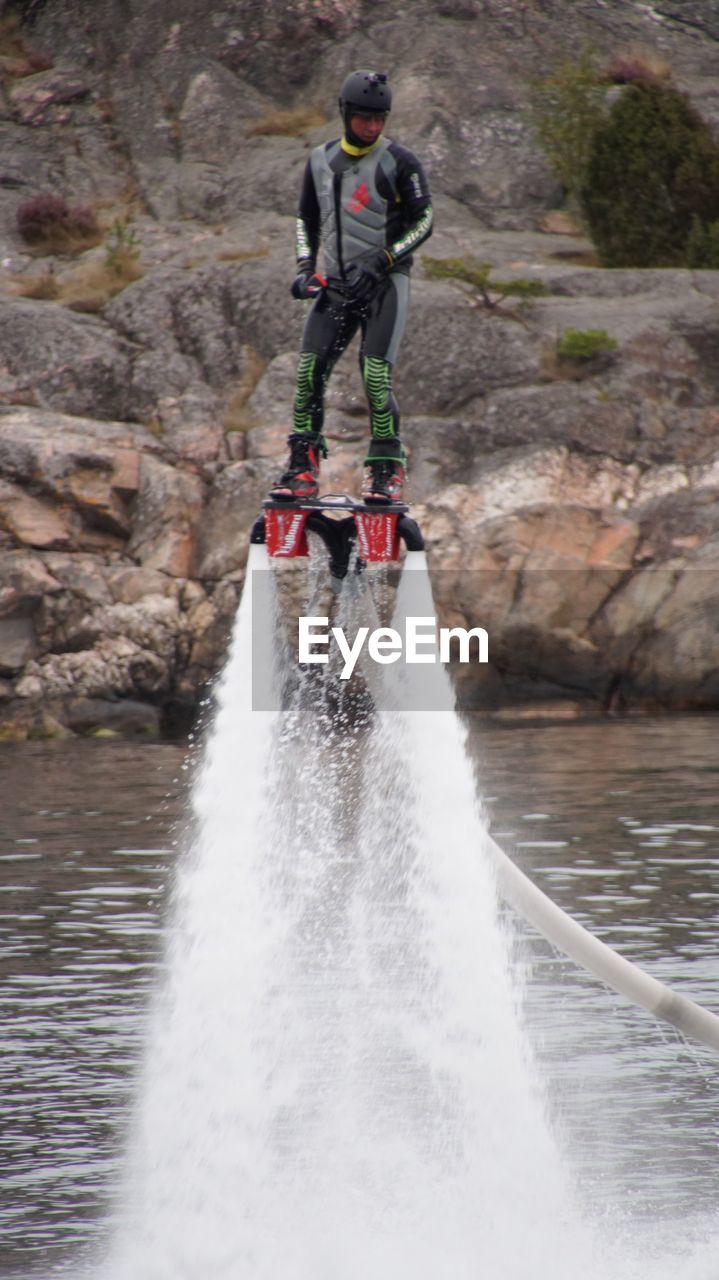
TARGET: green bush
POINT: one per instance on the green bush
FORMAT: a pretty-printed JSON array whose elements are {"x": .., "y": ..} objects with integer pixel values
[
  {"x": 652, "y": 177},
  {"x": 565, "y": 109},
  {"x": 122, "y": 250},
  {"x": 585, "y": 344}
]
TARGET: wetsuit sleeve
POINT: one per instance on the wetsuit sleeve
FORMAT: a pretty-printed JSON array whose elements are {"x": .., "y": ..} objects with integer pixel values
[
  {"x": 414, "y": 196},
  {"x": 307, "y": 241}
]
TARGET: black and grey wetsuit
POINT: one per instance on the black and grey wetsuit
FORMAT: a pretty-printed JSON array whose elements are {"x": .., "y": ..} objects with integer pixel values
[{"x": 355, "y": 201}]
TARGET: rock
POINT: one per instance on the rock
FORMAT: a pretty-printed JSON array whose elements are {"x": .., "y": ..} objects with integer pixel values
[
  {"x": 113, "y": 668},
  {"x": 128, "y": 717},
  {"x": 77, "y": 470},
  {"x": 74, "y": 363},
  {"x": 17, "y": 642},
  {"x": 80, "y": 576},
  {"x": 503, "y": 353},
  {"x": 167, "y": 516},
  {"x": 33, "y": 523},
  {"x": 131, "y": 585},
  {"x": 233, "y": 504},
  {"x": 571, "y": 504},
  {"x": 24, "y": 578},
  {"x": 194, "y": 424},
  {"x": 49, "y": 97}
]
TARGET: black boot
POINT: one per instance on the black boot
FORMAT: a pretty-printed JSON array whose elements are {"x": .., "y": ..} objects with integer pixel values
[
  {"x": 385, "y": 467},
  {"x": 301, "y": 478}
]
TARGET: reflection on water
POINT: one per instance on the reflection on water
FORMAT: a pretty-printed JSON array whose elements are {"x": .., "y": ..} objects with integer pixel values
[{"x": 618, "y": 822}]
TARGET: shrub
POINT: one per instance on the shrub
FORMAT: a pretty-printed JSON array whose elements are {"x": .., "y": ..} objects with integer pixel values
[
  {"x": 490, "y": 293},
  {"x": 122, "y": 252},
  {"x": 578, "y": 354},
  {"x": 585, "y": 344},
  {"x": 49, "y": 224},
  {"x": 565, "y": 109},
  {"x": 703, "y": 245},
  {"x": 652, "y": 171}
]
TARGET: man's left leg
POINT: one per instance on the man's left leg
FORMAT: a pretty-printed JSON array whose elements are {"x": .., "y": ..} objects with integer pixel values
[{"x": 386, "y": 460}]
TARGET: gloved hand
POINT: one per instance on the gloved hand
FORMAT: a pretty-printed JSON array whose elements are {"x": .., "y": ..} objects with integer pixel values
[
  {"x": 307, "y": 283},
  {"x": 364, "y": 276}
]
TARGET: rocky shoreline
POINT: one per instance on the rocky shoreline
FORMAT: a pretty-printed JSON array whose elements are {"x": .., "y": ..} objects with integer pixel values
[{"x": 571, "y": 508}]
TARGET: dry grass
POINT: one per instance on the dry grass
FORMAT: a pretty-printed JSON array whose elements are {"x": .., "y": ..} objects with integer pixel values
[
  {"x": 242, "y": 255},
  {"x": 639, "y": 64},
  {"x": 63, "y": 240},
  {"x": 289, "y": 123},
  {"x": 87, "y": 287},
  {"x": 44, "y": 288},
  {"x": 91, "y": 286},
  {"x": 236, "y": 416},
  {"x": 576, "y": 258},
  {"x": 127, "y": 205}
]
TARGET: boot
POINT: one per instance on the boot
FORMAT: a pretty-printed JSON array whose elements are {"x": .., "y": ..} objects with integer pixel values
[
  {"x": 385, "y": 467},
  {"x": 300, "y": 480}
]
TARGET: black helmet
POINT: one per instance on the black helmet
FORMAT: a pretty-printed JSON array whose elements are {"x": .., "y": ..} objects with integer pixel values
[{"x": 365, "y": 91}]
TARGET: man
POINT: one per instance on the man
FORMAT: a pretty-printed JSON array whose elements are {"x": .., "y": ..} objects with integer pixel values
[{"x": 366, "y": 199}]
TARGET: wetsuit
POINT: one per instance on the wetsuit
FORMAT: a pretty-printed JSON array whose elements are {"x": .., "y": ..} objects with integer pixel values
[{"x": 357, "y": 201}]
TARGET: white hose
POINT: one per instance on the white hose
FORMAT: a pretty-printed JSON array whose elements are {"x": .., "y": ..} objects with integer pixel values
[
  {"x": 620, "y": 974},
  {"x": 559, "y": 928}
]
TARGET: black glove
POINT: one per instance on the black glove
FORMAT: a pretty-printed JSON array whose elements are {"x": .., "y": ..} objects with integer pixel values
[
  {"x": 364, "y": 276},
  {"x": 307, "y": 283}
]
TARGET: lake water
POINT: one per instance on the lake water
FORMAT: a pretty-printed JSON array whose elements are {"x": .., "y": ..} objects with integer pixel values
[{"x": 618, "y": 822}]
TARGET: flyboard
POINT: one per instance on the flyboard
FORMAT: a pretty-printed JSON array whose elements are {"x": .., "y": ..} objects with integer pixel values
[{"x": 345, "y": 525}]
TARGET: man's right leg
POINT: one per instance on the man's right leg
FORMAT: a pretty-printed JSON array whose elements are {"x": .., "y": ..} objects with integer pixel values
[
  {"x": 300, "y": 478},
  {"x": 330, "y": 326}
]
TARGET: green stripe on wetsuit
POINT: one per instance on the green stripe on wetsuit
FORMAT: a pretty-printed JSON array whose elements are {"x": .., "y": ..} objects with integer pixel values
[
  {"x": 376, "y": 374},
  {"x": 305, "y": 406}
]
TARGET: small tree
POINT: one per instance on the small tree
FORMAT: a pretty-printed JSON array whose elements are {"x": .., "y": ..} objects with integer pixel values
[
  {"x": 652, "y": 176},
  {"x": 486, "y": 292},
  {"x": 565, "y": 109}
]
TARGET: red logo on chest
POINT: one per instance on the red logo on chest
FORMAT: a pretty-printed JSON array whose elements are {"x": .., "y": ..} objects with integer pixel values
[{"x": 359, "y": 199}]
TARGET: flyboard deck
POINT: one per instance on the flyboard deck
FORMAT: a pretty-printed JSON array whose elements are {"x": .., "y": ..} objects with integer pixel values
[{"x": 375, "y": 530}]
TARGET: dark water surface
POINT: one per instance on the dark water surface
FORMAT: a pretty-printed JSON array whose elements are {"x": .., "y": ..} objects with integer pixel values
[
  {"x": 618, "y": 822},
  {"x": 85, "y": 860}
]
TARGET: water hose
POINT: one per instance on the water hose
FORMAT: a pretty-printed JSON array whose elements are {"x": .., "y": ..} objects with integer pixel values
[
  {"x": 582, "y": 946},
  {"x": 556, "y": 926}
]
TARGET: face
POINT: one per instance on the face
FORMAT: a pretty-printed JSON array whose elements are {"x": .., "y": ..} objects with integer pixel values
[{"x": 367, "y": 126}]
